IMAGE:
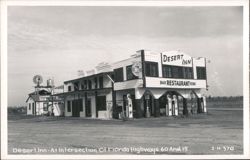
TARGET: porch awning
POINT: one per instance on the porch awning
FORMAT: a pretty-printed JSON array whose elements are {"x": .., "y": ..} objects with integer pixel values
[{"x": 83, "y": 91}]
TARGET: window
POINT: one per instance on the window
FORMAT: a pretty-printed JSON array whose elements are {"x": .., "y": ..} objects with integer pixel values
[
  {"x": 201, "y": 72},
  {"x": 68, "y": 106},
  {"x": 151, "y": 69},
  {"x": 118, "y": 74},
  {"x": 188, "y": 72},
  {"x": 90, "y": 84},
  {"x": 177, "y": 72},
  {"x": 96, "y": 82},
  {"x": 82, "y": 86},
  {"x": 167, "y": 71},
  {"x": 100, "y": 82},
  {"x": 130, "y": 74},
  {"x": 29, "y": 106},
  {"x": 69, "y": 88},
  {"x": 76, "y": 86},
  {"x": 85, "y": 84}
]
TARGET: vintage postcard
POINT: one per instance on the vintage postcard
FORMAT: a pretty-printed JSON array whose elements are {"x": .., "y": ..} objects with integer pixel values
[{"x": 125, "y": 79}]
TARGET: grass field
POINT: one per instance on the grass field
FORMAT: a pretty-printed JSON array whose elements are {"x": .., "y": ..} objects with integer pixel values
[{"x": 220, "y": 131}]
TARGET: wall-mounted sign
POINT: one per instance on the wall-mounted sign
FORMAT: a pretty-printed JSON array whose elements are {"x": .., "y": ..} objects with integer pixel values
[
  {"x": 176, "y": 58},
  {"x": 177, "y": 83},
  {"x": 137, "y": 69},
  {"x": 174, "y": 83}
]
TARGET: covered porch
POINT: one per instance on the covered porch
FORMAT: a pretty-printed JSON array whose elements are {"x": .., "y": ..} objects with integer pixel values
[{"x": 155, "y": 102}]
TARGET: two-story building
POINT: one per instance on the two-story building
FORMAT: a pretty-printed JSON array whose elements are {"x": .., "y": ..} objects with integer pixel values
[{"x": 167, "y": 84}]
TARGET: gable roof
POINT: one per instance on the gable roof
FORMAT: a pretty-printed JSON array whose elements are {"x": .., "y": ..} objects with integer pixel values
[
  {"x": 36, "y": 96},
  {"x": 41, "y": 93}
]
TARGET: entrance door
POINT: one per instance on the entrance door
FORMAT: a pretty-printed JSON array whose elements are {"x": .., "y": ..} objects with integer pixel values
[
  {"x": 163, "y": 103},
  {"x": 100, "y": 104},
  {"x": 75, "y": 108},
  {"x": 88, "y": 108}
]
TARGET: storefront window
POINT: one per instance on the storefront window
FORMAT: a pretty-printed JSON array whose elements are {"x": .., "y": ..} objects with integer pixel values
[
  {"x": 151, "y": 69},
  {"x": 201, "y": 72},
  {"x": 118, "y": 74},
  {"x": 130, "y": 74}
]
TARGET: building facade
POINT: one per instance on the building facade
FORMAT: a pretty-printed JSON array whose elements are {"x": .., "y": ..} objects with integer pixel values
[
  {"x": 43, "y": 102},
  {"x": 146, "y": 84}
]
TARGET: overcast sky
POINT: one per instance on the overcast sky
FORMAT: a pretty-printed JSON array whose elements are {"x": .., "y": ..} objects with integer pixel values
[{"x": 58, "y": 41}]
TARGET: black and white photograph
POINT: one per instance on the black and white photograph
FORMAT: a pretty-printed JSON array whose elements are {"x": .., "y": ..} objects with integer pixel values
[{"x": 125, "y": 79}]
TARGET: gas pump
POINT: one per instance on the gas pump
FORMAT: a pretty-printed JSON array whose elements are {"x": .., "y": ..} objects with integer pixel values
[
  {"x": 169, "y": 106},
  {"x": 147, "y": 97},
  {"x": 204, "y": 104},
  {"x": 192, "y": 101},
  {"x": 129, "y": 107},
  {"x": 175, "y": 105}
]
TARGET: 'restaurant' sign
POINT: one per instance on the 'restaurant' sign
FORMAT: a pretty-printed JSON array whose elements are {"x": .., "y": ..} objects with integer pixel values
[
  {"x": 177, "y": 83},
  {"x": 176, "y": 58},
  {"x": 174, "y": 83}
]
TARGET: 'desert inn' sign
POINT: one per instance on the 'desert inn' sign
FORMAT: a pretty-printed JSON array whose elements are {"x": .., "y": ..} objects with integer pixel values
[{"x": 176, "y": 58}]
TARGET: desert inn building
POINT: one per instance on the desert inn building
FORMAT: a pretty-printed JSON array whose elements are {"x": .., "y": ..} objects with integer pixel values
[{"x": 147, "y": 84}]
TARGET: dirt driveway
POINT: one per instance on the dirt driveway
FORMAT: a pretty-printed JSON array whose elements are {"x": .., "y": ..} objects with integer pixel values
[{"x": 218, "y": 132}]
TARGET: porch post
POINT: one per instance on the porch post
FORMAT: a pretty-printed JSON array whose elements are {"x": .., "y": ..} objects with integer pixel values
[
  {"x": 113, "y": 103},
  {"x": 86, "y": 102},
  {"x": 96, "y": 107}
]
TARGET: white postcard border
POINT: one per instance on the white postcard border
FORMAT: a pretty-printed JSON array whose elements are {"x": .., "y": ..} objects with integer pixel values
[{"x": 4, "y": 126}]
